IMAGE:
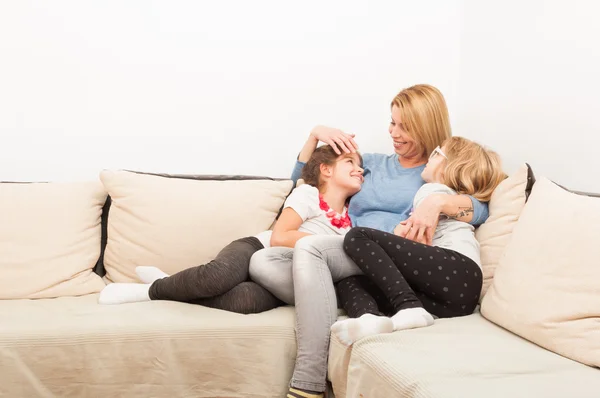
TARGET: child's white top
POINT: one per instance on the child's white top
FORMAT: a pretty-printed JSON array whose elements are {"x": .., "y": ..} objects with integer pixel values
[
  {"x": 317, "y": 217},
  {"x": 450, "y": 233}
]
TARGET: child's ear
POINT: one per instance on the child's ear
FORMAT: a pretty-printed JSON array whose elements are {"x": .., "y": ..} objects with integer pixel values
[{"x": 326, "y": 170}]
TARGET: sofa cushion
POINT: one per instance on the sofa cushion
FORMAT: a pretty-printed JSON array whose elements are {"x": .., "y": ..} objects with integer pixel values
[
  {"x": 49, "y": 239},
  {"x": 74, "y": 347},
  {"x": 466, "y": 357},
  {"x": 505, "y": 206},
  {"x": 546, "y": 286},
  {"x": 175, "y": 222}
]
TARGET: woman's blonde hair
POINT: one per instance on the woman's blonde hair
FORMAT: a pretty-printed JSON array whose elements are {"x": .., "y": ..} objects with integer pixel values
[
  {"x": 471, "y": 169},
  {"x": 424, "y": 116}
]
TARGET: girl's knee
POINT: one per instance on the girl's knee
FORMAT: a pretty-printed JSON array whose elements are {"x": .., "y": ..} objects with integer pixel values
[
  {"x": 308, "y": 244},
  {"x": 361, "y": 233},
  {"x": 250, "y": 298},
  {"x": 344, "y": 283},
  {"x": 353, "y": 234},
  {"x": 257, "y": 263}
]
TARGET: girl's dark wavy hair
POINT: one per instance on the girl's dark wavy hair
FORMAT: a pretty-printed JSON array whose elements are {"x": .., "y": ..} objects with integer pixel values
[{"x": 311, "y": 172}]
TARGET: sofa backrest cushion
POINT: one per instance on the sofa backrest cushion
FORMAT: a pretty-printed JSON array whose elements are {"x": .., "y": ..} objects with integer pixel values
[
  {"x": 49, "y": 239},
  {"x": 546, "y": 287},
  {"x": 177, "y": 222},
  {"x": 505, "y": 207}
]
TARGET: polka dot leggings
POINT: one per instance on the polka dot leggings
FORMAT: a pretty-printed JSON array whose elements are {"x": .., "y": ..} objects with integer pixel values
[{"x": 407, "y": 275}]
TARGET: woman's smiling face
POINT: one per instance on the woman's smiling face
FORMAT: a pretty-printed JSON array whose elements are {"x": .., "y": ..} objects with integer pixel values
[{"x": 404, "y": 145}]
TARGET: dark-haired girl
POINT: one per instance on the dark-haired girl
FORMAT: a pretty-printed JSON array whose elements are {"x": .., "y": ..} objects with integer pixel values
[{"x": 317, "y": 207}]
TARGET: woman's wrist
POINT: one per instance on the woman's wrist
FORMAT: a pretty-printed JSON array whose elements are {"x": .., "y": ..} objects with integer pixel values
[
  {"x": 458, "y": 207},
  {"x": 308, "y": 149},
  {"x": 438, "y": 202}
]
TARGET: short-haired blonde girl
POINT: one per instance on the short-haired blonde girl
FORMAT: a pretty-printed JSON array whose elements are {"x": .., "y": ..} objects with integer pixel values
[
  {"x": 470, "y": 169},
  {"x": 410, "y": 281}
]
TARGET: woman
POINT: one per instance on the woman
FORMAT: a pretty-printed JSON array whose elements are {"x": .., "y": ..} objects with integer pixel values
[{"x": 419, "y": 124}]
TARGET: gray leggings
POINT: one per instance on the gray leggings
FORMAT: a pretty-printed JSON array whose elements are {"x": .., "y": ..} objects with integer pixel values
[
  {"x": 222, "y": 283},
  {"x": 272, "y": 269}
]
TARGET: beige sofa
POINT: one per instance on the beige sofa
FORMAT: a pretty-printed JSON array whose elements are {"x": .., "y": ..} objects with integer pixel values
[
  {"x": 56, "y": 341},
  {"x": 457, "y": 358}
]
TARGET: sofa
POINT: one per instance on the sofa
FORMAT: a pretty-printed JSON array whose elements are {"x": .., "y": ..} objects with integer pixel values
[{"x": 536, "y": 334}]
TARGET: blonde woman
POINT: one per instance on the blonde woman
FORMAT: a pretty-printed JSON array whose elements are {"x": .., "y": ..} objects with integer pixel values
[
  {"x": 419, "y": 123},
  {"x": 407, "y": 280}
]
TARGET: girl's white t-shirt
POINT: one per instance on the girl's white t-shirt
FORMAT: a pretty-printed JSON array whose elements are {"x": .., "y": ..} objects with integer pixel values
[
  {"x": 304, "y": 200},
  {"x": 451, "y": 234}
]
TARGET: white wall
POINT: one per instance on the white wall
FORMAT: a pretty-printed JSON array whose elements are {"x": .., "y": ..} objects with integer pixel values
[
  {"x": 530, "y": 86},
  {"x": 207, "y": 87}
]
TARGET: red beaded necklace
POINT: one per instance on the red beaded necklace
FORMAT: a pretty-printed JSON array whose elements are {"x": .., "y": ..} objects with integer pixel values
[{"x": 337, "y": 220}]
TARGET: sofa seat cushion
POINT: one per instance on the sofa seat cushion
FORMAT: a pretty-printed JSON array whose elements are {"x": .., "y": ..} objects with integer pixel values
[
  {"x": 466, "y": 357},
  {"x": 74, "y": 347}
]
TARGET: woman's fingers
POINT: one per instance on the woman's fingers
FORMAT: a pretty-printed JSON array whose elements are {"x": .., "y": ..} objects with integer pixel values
[
  {"x": 332, "y": 144},
  {"x": 430, "y": 232},
  {"x": 351, "y": 139},
  {"x": 341, "y": 144},
  {"x": 429, "y": 237},
  {"x": 417, "y": 231},
  {"x": 421, "y": 234},
  {"x": 412, "y": 233},
  {"x": 350, "y": 143},
  {"x": 335, "y": 138},
  {"x": 407, "y": 224}
]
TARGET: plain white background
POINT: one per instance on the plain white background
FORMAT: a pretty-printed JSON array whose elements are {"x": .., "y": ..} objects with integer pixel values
[
  {"x": 233, "y": 87},
  {"x": 530, "y": 85}
]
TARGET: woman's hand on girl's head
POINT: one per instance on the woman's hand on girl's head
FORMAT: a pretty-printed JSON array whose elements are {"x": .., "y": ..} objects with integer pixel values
[{"x": 336, "y": 138}]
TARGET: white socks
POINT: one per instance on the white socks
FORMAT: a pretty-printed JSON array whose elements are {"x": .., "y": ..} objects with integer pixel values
[
  {"x": 350, "y": 330},
  {"x": 149, "y": 274},
  {"x": 412, "y": 318},
  {"x": 119, "y": 293}
]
